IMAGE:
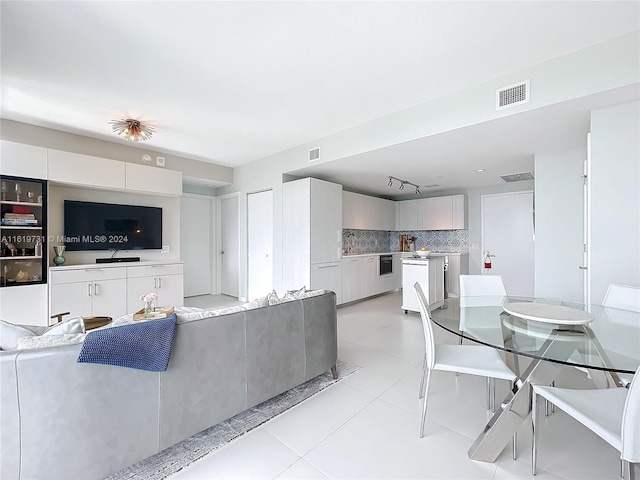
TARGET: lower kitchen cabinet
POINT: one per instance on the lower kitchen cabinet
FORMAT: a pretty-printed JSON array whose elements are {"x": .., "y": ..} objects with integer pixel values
[
  {"x": 166, "y": 281},
  {"x": 361, "y": 279},
  {"x": 327, "y": 276}
]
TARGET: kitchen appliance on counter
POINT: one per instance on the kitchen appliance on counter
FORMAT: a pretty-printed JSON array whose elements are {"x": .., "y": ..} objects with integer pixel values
[{"x": 406, "y": 243}]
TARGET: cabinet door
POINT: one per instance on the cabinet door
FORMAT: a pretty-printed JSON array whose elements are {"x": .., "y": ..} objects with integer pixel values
[
  {"x": 77, "y": 169},
  {"x": 436, "y": 282},
  {"x": 407, "y": 215},
  {"x": 22, "y": 160},
  {"x": 370, "y": 275},
  {"x": 454, "y": 275},
  {"x": 326, "y": 222},
  {"x": 459, "y": 212},
  {"x": 170, "y": 290},
  {"x": 327, "y": 276},
  {"x": 435, "y": 213},
  {"x": 351, "y": 217},
  {"x": 25, "y": 305},
  {"x": 74, "y": 298},
  {"x": 109, "y": 298},
  {"x": 142, "y": 178},
  {"x": 385, "y": 214},
  {"x": 352, "y": 285},
  {"x": 136, "y": 287}
]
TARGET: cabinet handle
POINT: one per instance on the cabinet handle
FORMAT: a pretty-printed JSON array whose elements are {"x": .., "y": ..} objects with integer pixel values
[
  {"x": 95, "y": 289},
  {"x": 327, "y": 266},
  {"x": 89, "y": 290},
  {"x": 159, "y": 282}
]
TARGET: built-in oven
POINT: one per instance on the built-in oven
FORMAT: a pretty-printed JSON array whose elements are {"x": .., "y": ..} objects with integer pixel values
[{"x": 386, "y": 264}]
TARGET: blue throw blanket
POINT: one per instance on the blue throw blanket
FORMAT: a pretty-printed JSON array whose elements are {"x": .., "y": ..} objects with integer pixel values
[{"x": 144, "y": 345}]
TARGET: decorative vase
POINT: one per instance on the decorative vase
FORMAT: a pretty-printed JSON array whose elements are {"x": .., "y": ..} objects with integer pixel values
[
  {"x": 148, "y": 307},
  {"x": 59, "y": 258}
]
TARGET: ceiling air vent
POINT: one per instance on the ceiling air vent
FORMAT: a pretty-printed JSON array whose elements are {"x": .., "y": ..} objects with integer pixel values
[
  {"x": 517, "y": 177},
  {"x": 512, "y": 95},
  {"x": 314, "y": 154}
]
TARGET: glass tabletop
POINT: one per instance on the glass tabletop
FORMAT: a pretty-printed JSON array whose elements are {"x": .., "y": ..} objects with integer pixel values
[{"x": 611, "y": 341}]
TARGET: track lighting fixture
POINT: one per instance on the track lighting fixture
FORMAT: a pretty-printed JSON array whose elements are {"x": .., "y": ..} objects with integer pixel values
[{"x": 403, "y": 183}]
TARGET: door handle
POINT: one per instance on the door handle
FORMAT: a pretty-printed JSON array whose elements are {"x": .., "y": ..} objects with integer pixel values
[
  {"x": 222, "y": 252},
  {"x": 582, "y": 268}
]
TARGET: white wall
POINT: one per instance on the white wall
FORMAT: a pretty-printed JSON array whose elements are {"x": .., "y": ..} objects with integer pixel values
[
  {"x": 615, "y": 197},
  {"x": 170, "y": 221},
  {"x": 559, "y": 224}
]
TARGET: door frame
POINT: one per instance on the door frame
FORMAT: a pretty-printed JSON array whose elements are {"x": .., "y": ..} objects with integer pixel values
[{"x": 218, "y": 240}]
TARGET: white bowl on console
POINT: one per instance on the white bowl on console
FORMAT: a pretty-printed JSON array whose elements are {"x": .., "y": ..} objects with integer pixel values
[{"x": 423, "y": 253}]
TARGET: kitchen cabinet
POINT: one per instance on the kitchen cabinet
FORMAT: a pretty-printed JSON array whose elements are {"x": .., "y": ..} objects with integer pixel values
[
  {"x": 165, "y": 280},
  {"x": 430, "y": 273},
  {"x": 26, "y": 305},
  {"x": 88, "y": 292},
  {"x": 407, "y": 215},
  {"x": 311, "y": 229},
  {"x": 363, "y": 212},
  {"x": 352, "y": 274},
  {"x": 327, "y": 276},
  {"x": 442, "y": 213},
  {"x": 20, "y": 160},
  {"x": 370, "y": 275}
]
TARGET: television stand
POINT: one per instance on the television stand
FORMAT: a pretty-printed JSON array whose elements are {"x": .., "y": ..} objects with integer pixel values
[{"x": 117, "y": 259}]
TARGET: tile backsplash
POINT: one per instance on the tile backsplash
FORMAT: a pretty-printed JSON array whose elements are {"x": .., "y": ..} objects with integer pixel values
[{"x": 372, "y": 241}]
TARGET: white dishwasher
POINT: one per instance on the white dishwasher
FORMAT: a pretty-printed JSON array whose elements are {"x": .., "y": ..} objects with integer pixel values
[{"x": 430, "y": 273}]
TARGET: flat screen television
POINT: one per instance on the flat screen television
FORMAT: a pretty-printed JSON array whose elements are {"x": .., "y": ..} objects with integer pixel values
[{"x": 109, "y": 226}]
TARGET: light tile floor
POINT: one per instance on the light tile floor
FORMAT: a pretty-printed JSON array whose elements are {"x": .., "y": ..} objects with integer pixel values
[{"x": 366, "y": 426}]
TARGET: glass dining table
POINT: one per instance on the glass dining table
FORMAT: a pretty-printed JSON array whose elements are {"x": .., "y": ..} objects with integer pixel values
[{"x": 540, "y": 338}]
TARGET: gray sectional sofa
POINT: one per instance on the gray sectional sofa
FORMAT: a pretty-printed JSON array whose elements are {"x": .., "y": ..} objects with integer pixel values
[{"x": 61, "y": 419}]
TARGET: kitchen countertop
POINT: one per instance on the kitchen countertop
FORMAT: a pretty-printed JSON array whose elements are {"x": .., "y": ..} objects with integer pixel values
[{"x": 407, "y": 254}]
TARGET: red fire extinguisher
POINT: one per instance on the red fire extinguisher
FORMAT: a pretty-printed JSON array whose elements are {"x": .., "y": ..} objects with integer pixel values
[{"x": 487, "y": 261}]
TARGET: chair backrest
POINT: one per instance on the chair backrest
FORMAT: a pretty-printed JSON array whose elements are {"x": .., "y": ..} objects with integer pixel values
[
  {"x": 427, "y": 327},
  {"x": 623, "y": 297},
  {"x": 631, "y": 422},
  {"x": 476, "y": 285}
]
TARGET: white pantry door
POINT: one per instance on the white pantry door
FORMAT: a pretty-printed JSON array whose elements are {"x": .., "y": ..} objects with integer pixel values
[
  {"x": 260, "y": 243},
  {"x": 507, "y": 233},
  {"x": 229, "y": 246}
]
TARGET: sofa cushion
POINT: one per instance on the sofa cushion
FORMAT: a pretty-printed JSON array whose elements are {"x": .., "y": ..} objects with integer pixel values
[{"x": 11, "y": 333}]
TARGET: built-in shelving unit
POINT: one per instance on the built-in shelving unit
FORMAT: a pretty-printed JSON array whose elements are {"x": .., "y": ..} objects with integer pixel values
[{"x": 23, "y": 231}]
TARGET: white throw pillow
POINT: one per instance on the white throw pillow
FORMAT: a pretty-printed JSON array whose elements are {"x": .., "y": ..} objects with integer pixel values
[
  {"x": 11, "y": 333},
  {"x": 73, "y": 325},
  {"x": 272, "y": 298}
]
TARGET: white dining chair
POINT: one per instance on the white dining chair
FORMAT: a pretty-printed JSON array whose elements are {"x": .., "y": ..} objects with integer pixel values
[
  {"x": 611, "y": 413},
  {"x": 480, "y": 285},
  {"x": 490, "y": 287},
  {"x": 467, "y": 359},
  {"x": 624, "y": 297}
]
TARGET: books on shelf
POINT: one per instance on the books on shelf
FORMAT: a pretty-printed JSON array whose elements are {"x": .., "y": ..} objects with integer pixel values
[{"x": 19, "y": 219}]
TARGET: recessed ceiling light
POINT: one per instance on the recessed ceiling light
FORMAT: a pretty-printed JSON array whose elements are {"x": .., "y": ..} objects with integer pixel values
[{"x": 480, "y": 170}]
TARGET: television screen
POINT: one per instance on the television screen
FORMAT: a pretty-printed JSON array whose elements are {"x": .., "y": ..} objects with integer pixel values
[{"x": 107, "y": 226}]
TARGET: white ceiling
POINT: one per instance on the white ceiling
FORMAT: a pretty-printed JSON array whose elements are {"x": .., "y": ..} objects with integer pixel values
[{"x": 232, "y": 82}]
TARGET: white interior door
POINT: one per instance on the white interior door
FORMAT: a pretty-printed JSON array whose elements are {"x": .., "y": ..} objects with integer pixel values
[
  {"x": 507, "y": 233},
  {"x": 260, "y": 243},
  {"x": 196, "y": 241},
  {"x": 229, "y": 246}
]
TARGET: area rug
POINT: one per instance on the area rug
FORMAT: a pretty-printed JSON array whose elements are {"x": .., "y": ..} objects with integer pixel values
[{"x": 177, "y": 457}]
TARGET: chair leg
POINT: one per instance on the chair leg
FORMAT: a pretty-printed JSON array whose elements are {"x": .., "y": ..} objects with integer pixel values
[
  {"x": 514, "y": 441},
  {"x": 548, "y": 404},
  {"x": 424, "y": 373},
  {"x": 622, "y": 468},
  {"x": 492, "y": 395},
  {"x": 534, "y": 432},
  {"x": 424, "y": 402}
]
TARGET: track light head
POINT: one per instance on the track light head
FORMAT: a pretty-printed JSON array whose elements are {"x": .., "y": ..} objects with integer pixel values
[
  {"x": 390, "y": 182},
  {"x": 402, "y": 185},
  {"x": 417, "y": 191}
]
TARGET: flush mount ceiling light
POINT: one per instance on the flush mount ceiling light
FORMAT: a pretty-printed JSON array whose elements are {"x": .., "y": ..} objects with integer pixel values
[
  {"x": 131, "y": 129},
  {"x": 403, "y": 183}
]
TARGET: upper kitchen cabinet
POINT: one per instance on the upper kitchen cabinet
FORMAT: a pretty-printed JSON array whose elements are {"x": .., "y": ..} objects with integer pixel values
[
  {"x": 442, "y": 213},
  {"x": 145, "y": 179},
  {"x": 20, "y": 160},
  {"x": 407, "y": 215},
  {"x": 362, "y": 212},
  {"x": 311, "y": 228}
]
